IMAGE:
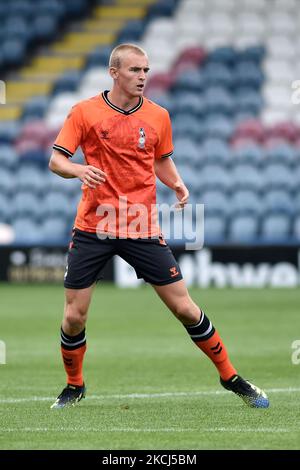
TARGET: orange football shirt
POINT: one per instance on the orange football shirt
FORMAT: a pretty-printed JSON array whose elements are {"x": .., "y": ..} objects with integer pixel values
[{"x": 124, "y": 144}]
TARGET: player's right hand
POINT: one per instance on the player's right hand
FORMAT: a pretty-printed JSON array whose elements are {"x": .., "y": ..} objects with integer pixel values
[{"x": 92, "y": 176}]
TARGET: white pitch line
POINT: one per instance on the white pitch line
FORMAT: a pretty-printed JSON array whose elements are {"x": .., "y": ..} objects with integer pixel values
[
  {"x": 148, "y": 430},
  {"x": 145, "y": 395}
]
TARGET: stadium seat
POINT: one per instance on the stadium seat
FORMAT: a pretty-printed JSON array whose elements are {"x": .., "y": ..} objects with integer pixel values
[
  {"x": 243, "y": 229},
  {"x": 215, "y": 151},
  {"x": 245, "y": 176},
  {"x": 214, "y": 229},
  {"x": 189, "y": 80},
  {"x": 218, "y": 126},
  {"x": 55, "y": 230},
  {"x": 225, "y": 55},
  {"x": 296, "y": 228},
  {"x": 245, "y": 202},
  {"x": 5, "y": 209},
  {"x": 275, "y": 228},
  {"x": 250, "y": 153},
  {"x": 26, "y": 204},
  {"x": 30, "y": 178},
  {"x": 283, "y": 154},
  {"x": 186, "y": 151},
  {"x": 186, "y": 125},
  {"x": 215, "y": 203},
  {"x": 27, "y": 232},
  {"x": 279, "y": 176},
  {"x": 8, "y": 182},
  {"x": 8, "y": 157},
  {"x": 252, "y": 129},
  {"x": 248, "y": 74},
  {"x": 218, "y": 74},
  {"x": 278, "y": 200},
  {"x": 214, "y": 177},
  {"x": 248, "y": 100},
  {"x": 56, "y": 204},
  {"x": 218, "y": 100},
  {"x": 189, "y": 102}
]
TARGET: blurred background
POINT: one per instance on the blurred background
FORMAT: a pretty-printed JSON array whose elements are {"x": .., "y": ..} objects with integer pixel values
[{"x": 224, "y": 69}]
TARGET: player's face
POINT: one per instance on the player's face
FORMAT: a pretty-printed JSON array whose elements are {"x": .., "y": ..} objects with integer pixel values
[{"x": 131, "y": 76}]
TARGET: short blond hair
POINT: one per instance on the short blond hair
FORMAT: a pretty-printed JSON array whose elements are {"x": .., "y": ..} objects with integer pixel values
[{"x": 118, "y": 52}]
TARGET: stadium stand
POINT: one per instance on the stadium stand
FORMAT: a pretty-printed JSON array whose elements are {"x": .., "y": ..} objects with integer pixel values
[{"x": 223, "y": 69}]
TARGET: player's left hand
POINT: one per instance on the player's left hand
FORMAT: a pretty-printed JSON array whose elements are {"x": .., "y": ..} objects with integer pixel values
[{"x": 182, "y": 194}]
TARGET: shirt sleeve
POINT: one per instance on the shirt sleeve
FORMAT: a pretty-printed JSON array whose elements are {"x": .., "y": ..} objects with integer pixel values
[
  {"x": 70, "y": 136},
  {"x": 164, "y": 147}
]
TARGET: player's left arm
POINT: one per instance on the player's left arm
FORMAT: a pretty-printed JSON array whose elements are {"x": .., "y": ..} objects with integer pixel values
[{"x": 166, "y": 171}]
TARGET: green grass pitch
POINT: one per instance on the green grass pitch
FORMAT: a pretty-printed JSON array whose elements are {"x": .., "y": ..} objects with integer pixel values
[{"x": 149, "y": 387}]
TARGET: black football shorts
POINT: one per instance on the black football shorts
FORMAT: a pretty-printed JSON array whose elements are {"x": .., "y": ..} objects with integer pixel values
[{"x": 151, "y": 258}]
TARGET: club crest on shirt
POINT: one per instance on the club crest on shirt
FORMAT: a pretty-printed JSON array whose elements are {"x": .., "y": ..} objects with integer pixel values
[
  {"x": 104, "y": 134},
  {"x": 142, "y": 138}
]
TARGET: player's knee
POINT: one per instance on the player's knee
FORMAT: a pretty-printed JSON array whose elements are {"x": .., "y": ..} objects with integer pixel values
[
  {"x": 75, "y": 318},
  {"x": 186, "y": 312}
]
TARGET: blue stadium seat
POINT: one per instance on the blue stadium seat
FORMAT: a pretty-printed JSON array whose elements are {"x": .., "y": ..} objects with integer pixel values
[
  {"x": 35, "y": 158},
  {"x": 36, "y": 107},
  {"x": 131, "y": 32},
  {"x": 69, "y": 81},
  {"x": 218, "y": 74},
  {"x": 214, "y": 177},
  {"x": 99, "y": 56},
  {"x": 218, "y": 100},
  {"x": 55, "y": 230},
  {"x": 252, "y": 154},
  {"x": 186, "y": 125},
  {"x": 8, "y": 157},
  {"x": 275, "y": 228},
  {"x": 27, "y": 204},
  {"x": 17, "y": 28},
  {"x": 215, "y": 203},
  {"x": 5, "y": 209},
  {"x": 214, "y": 229},
  {"x": 27, "y": 231},
  {"x": 56, "y": 204},
  {"x": 248, "y": 101},
  {"x": 30, "y": 178},
  {"x": 189, "y": 80},
  {"x": 279, "y": 176},
  {"x": 44, "y": 27},
  {"x": 248, "y": 74},
  {"x": 76, "y": 8},
  {"x": 216, "y": 151},
  {"x": 243, "y": 229},
  {"x": 224, "y": 55},
  {"x": 9, "y": 131},
  {"x": 296, "y": 201},
  {"x": 283, "y": 154},
  {"x": 245, "y": 202},
  {"x": 253, "y": 54},
  {"x": 13, "y": 52},
  {"x": 23, "y": 8},
  {"x": 278, "y": 200},
  {"x": 296, "y": 227},
  {"x": 161, "y": 8},
  {"x": 189, "y": 176},
  {"x": 245, "y": 176},
  {"x": 186, "y": 151},
  {"x": 188, "y": 102},
  {"x": 8, "y": 182},
  {"x": 66, "y": 186},
  {"x": 165, "y": 100},
  {"x": 218, "y": 126},
  {"x": 51, "y": 8}
]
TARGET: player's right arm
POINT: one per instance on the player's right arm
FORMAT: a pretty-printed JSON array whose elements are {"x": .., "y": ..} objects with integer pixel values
[{"x": 88, "y": 174}]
